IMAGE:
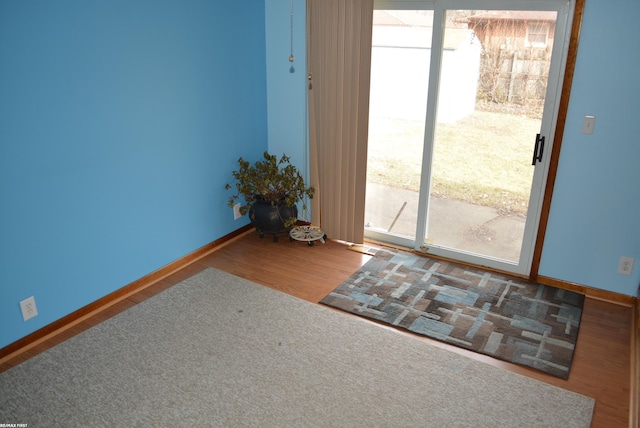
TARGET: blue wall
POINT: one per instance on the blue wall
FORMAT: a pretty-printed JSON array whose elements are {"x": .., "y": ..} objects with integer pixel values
[
  {"x": 120, "y": 123},
  {"x": 595, "y": 213},
  {"x": 287, "y": 82}
]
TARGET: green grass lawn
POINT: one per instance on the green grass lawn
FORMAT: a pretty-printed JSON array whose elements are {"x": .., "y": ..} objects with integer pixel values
[{"x": 484, "y": 158}]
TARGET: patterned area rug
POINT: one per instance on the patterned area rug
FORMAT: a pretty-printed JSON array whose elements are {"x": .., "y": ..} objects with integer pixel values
[{"x": 511, "y": 319}]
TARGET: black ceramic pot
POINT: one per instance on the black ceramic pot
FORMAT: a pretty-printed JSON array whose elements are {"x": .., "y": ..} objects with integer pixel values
[{"x": 270, "y": 219}]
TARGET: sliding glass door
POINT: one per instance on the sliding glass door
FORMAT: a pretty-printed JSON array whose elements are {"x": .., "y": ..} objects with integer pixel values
[{"x": 463, "y": 104}]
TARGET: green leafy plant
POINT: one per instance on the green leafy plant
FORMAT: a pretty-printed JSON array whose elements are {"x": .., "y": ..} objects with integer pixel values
[{"x": 271, "y": 180}]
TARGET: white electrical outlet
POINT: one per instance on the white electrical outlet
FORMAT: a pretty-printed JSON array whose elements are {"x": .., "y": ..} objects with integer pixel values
[
  {"x": 28, "y": 308},
  {"x": 236, "y": 211},
  {"x": 626, "y": 265}
]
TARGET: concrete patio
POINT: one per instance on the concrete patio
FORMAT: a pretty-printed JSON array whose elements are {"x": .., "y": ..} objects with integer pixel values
[{"x": 454, "y": 224}]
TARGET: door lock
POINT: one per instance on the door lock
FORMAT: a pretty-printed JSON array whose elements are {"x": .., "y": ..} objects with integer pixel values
[{"x": 538, "y": 149}]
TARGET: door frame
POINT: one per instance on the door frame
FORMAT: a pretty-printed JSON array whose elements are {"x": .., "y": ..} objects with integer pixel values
[{"x": 561, "y": 95}]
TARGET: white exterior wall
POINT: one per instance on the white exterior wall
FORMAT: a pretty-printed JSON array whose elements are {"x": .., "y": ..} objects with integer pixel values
[{"x": 400, "y": 76}]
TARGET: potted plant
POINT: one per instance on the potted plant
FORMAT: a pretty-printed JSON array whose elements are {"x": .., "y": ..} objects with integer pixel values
[{"x": 271, "y": 189}]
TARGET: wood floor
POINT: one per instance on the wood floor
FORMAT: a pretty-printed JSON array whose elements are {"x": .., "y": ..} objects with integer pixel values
[{"x": 601, "y": 367}]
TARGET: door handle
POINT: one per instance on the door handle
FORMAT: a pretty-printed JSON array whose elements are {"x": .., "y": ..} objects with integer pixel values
[{"x": 538, "y": 149}]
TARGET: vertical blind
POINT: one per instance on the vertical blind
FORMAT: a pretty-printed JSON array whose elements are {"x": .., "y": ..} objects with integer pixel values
[{"x": 339, "y": 56}]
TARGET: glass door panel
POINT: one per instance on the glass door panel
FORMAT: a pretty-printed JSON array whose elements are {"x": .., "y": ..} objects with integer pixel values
[
  {"x": 400, "y": 59},
  {"x": 491, "y": 97},
  {"x": 458, "y": 99}
]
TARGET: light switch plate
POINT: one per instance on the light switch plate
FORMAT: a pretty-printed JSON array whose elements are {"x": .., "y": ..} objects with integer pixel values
[{"x": 588, "y": 124}]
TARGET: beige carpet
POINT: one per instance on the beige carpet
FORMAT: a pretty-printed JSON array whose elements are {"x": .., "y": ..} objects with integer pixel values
[{"x": 217, "y": 350}]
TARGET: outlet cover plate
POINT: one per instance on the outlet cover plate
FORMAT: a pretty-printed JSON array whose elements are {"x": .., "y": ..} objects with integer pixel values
[
  {"x": 236, "y": 212},
  {"x": 28, "y": 308},
  {"x": 626, "y": 265}
]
